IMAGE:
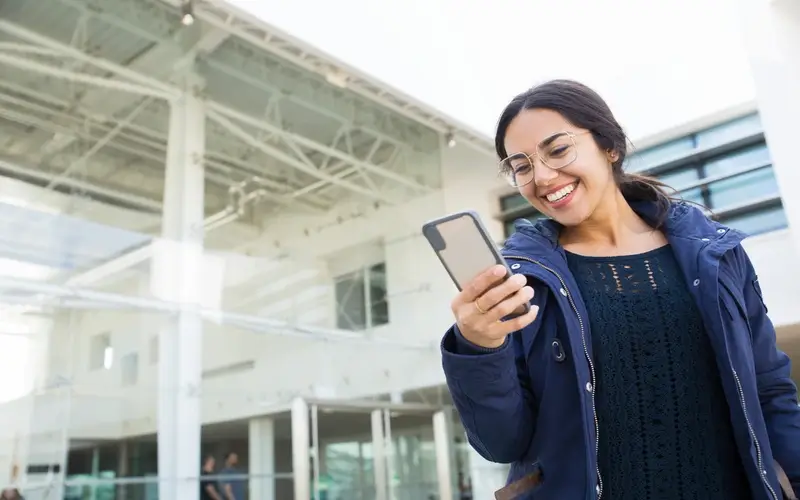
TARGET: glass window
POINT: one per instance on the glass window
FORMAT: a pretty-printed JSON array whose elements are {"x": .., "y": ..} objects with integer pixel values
[
  {"x": 129, "y": 366},
  {"x": 513, "y": 202},
  {"x": 743, "y": 188},
  {"x": 738, "y": 160},
  {"x": 101, "y": 355},
  {"x": 760, "y": 221},
  {"x": 656, "y": 155},
  {"x": 729, "y": 131},
  {"x": 362, "y": 299},
  {"x": 680, "y": 179}
]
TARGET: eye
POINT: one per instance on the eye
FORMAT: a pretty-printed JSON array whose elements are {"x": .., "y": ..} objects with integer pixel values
[
  {"x": 521, "y": 168},
  {"x": 559, "y": 150}
]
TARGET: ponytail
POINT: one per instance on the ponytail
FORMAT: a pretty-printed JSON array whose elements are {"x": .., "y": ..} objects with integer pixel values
[{"x": 637, "y": 187}]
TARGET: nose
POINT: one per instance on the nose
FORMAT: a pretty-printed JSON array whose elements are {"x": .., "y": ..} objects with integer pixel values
[{"x": 542, "y": 174}]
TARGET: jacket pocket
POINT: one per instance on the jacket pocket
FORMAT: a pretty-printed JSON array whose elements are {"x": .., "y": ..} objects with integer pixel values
[{"x": 524, "y": 479}]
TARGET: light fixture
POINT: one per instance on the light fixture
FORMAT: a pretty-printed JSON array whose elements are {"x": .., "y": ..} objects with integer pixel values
[
  {"x": 450, "y": 139},
  {"x": 187, "y": 13},
  {"x": 337, "y": 78}
]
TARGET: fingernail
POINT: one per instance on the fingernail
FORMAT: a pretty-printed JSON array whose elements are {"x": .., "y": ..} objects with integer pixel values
[
  {"x": 499, "y": 271},
  {"x": 519, "y": 279},
  {"x": 529, "y": 292}
]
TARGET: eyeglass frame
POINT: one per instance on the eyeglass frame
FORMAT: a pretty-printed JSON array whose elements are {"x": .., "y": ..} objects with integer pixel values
[{"x": 530, "y": 158}]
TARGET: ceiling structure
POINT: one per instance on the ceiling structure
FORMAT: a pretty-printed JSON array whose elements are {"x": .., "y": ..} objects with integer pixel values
[
  {"x": 85, "y": 92},
  {"x": 84, "y": 108}
]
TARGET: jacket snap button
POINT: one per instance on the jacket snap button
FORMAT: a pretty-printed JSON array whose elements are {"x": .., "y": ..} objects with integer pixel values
[
  {"x": 720, "y": 231},
  {"x": 696, "y": 282},
  {"x": 589, "y": 386},
  {"x": 563, "y": 292},
  {"x": 704, "y": 239},
  {"x": 514, "y": 266}
]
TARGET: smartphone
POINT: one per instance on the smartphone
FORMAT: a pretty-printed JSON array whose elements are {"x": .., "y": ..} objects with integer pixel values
[{"x": 465, "y": 248}]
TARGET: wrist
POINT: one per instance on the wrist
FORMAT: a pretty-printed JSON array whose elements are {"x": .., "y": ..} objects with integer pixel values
[{"x": 482, "y": 342}]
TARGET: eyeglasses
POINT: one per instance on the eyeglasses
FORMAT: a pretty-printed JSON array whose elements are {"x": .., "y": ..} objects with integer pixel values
[{"x": 555, "y": 152}]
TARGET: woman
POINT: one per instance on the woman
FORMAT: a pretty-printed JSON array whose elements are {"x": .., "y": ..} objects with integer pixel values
[{"x": 647, "y": 368}]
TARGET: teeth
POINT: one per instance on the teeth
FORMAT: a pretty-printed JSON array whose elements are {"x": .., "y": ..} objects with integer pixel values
[{"x": 561, "y": 193}]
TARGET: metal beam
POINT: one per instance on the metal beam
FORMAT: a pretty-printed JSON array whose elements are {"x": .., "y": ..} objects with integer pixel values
[
  {"x": 308, "y": 143},
  {"x": 169, "y": 91},
  {"x": 74, "y": 76},
  {"x": 255, "y": 31},
  {"x": 215, "y": 115},
  {"x": 246, "y": 321},
  {"x": 166, "y": 89},
  {"x": 145, "y": 204}
]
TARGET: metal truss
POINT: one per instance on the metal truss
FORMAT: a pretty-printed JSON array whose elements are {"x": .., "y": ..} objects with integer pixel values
[
  {"x": 297, "y": 151},
  {"x": 243, "y": 25}
]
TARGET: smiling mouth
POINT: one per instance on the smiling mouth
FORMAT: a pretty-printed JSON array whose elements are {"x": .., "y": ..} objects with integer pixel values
[{"x": 561, "y": 193}]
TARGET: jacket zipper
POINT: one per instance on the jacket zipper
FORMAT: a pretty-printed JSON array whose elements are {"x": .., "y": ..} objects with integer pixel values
[
  {"x": 588, "y": 359},
  {"x": 743, "y": 403}
]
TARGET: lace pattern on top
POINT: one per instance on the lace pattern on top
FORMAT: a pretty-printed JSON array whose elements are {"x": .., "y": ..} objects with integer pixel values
[{"x": 665, "y": 429}]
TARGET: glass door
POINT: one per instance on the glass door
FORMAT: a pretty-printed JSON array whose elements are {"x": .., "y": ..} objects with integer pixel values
[
  {"x": 417, "y": 454},
  {"x": 341, "y": 454}
]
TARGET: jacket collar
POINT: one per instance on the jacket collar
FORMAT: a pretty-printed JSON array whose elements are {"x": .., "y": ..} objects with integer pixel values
[{"x": 683, "y": 221}]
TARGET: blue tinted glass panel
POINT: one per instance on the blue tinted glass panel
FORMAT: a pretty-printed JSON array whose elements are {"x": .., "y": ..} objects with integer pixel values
[
  {"x": 761, "y": 221},
  {"x": 513, "y": 202},
  {"x": 679, "y": 179},
  {"x": 743, "y": 188},
  {"x": 656, "y": 155},
  {"x": 729, "y": 132},
  {"x": 737, "y": 160}
]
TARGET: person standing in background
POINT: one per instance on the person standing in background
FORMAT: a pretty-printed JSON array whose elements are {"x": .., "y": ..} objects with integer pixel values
[
  {"x": 232, "y": 489},
  {"x": 208, "y": 487}
]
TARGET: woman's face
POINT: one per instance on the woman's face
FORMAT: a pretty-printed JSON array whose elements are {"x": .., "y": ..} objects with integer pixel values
[{"x": 569, "y": 195}]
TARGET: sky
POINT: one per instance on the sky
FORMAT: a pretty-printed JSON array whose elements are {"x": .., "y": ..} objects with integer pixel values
[{"x": 658, "y": 64}]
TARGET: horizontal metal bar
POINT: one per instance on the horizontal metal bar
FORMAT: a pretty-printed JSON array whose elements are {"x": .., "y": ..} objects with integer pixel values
[
  {"x": 245, "y": 321},
  {"x": 68, "y": 51},
  {"x": 707, "y": 181},
  {"x": 746, "y": 208},
  {"x": 701, "y": 154},
  {"x": 130, "y": 200},
  {"x": 73, "y": 76}
]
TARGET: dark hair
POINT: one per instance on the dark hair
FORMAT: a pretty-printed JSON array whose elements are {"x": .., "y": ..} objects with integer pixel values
[{"x": 584, "y": 108}]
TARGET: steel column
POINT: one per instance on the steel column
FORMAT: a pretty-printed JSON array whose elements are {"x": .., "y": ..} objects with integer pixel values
[{"x": 175, "y": 277}]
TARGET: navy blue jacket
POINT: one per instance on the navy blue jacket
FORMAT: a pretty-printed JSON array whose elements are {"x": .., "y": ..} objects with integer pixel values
[{"x": 531, "y": 402}]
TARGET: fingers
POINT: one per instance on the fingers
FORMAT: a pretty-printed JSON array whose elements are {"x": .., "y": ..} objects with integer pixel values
[
  {"x": 498, "y": 294},
  {"x": 508, "y": 305},
  {"x": 481, "y": 283},
  {"x": 500, "y": 329}
]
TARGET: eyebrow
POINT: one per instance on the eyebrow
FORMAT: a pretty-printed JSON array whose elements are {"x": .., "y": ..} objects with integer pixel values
[{"x": 549, "y": 140}]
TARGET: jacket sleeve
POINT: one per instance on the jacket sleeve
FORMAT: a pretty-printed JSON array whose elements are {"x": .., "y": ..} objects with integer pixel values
[
  {"x": 776, "y": 390},
  {"x": 492, "y": 392}
]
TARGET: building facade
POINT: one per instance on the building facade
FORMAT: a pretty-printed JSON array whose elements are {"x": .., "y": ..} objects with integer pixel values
[{"x": 303, "y": 340}]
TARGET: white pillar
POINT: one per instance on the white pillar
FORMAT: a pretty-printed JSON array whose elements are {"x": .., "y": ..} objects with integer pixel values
[
  {"x": 379, "y": 451},
  {"x": 443, "y": 443},
  {"x": 772, "y": 36},
  {"x": 262, "y": 458},
  {"x": 301, "y": 458},
  {"x": 487, "y": 477},
  {"x": 175, "y": 276}
]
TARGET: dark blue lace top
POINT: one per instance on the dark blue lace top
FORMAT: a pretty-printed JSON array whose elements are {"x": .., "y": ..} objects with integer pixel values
[{"x": 665, "y": 430}]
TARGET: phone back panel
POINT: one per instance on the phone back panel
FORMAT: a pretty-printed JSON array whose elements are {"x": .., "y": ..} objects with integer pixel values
[{"x": 463, "y": 246}]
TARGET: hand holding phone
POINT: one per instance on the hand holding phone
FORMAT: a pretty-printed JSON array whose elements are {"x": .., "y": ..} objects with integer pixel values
[{"x": 491, "y": 302}]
